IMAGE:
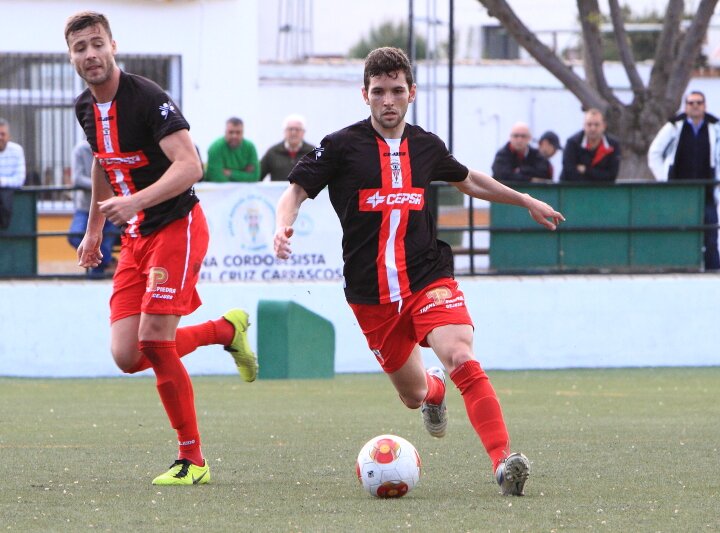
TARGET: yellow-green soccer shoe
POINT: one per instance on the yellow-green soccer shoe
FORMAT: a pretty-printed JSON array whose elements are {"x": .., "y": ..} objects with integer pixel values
[
  {"x": 239, "y": 348},
  {"x": 183, "y": 472}
]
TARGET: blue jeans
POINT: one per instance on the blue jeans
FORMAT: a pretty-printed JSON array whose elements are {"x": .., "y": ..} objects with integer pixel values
[{"x": 110, "y": 233}]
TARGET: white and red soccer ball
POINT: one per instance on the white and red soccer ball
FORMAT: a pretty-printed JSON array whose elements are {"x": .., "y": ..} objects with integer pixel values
[{"x": 388, "y": 466}]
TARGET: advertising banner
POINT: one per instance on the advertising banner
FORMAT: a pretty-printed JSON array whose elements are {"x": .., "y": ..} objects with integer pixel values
[{"x": 241, "y": 219}]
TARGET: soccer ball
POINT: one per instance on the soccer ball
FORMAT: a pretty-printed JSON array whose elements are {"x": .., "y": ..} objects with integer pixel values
[{"x": 388, "y": 466}]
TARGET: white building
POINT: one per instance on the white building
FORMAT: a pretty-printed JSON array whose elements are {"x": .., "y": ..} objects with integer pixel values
[{"x": 212, "y": 51}]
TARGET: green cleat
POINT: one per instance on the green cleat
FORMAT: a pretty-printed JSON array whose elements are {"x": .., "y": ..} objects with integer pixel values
[
  {"x": 245, "y": 359},
  {"x": 183, "y": 472}
]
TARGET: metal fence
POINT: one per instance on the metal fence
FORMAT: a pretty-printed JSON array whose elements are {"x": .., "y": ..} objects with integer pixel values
[
  {"x": 658, "y": 228},
  {"x": 37, "y": 95}
]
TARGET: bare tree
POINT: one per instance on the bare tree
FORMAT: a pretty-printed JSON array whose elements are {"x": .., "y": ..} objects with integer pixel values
[{"x": 636, "y": 123}]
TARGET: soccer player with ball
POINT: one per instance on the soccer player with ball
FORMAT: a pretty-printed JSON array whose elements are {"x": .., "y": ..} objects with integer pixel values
[
  {"x": 144, "y": 167},
  {"x": 398, "y": 276}
]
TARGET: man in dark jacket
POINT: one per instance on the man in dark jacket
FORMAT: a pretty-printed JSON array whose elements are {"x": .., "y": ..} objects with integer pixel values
[
  {"x": 518, "y": 161},
  {"x": 280, "y": 158},
  {"x": 591, "y": 154}
]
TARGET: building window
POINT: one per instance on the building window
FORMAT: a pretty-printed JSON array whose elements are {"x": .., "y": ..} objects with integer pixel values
[
  {"x": 37, "y": 95},
  {"x": 498, "y": 44}
]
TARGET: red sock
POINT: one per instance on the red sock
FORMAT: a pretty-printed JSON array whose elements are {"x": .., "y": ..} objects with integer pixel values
[
  {"x": 176, "y": 393},
  {"x": 483, "y": 409},
  {"x": 188, "y": 339},
  {"x": 436, "y": 389}
]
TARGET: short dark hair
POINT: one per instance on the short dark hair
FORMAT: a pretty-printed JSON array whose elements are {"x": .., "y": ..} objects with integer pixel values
[
  {"x": 234, "y": 121},
  {"x": 387, "y": 60},
  {"x": 85, "y": 19}
]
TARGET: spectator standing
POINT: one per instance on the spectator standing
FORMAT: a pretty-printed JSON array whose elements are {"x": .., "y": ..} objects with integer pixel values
[
  {"x": 280, "y": 159},
  {"x": 12, "y": 172},
  {"x": 591, "y": 154},
  {"x": 517, "y": 161},
  {"x": 687, "y": 147},
  {"x": 82, "y": 158},
  {"x": 232, "y": 157},
  {"x": 549, "y": 144}
]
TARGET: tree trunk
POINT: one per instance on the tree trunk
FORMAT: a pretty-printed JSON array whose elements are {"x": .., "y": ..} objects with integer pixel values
[
  {"x": 635, "y": 126},
  {"x": 637, "y": 123},
  {"x": 634, "y": 167}
]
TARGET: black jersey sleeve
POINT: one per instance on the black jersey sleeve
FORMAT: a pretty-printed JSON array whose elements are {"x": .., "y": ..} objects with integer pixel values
[
  {"x": 315, "y": 170},
  {"x": 447, "y": 167},
  {"x": 163, "y": 115}
]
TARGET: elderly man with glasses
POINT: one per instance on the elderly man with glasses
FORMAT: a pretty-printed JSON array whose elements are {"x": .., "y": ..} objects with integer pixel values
[{"x": 686, "y": 148}]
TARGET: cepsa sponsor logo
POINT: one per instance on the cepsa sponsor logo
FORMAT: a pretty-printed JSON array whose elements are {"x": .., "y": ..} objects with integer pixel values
[{"x": 379, "y": 199}]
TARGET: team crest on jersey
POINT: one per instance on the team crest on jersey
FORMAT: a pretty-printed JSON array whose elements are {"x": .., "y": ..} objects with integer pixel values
[
  {"x": 166, "y": 109},
  {"x": 438, "y": 295},
  {"x": 319, "y": 152},
  {"x": 396, "y": 174}
]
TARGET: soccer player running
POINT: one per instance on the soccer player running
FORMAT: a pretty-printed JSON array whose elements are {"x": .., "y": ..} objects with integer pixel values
[
  {"x": 398, "y": 276},
  {"x": 144, "y": 167}
]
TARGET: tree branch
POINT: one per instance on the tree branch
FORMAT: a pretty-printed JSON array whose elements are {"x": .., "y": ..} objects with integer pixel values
[
  {"x": 590, "y": 19},
  {"x": 689, "y": 50},
  {"x": 662, "y": 66},
  {"x": 584, "y": 92},
  {"x": 625, "y": 48}
]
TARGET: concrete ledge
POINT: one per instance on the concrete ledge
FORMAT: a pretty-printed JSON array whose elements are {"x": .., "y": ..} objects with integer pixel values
[{"x": 60, "y": 328}]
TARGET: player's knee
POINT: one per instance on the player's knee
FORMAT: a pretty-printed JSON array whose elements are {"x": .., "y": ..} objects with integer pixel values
[
  {"x": 126, "y": 360},
  {"x": 457, "y": 358}
]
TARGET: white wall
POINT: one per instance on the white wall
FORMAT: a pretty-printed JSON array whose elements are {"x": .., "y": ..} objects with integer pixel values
[
  {"x": 357, "y": 19},
  {"x": 50, "y": 328},
  {"x": 217, "y": 40},
  {"x": 488, "y": 100}
]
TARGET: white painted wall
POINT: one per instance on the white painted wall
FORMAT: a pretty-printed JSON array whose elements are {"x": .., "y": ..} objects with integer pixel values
[
  {"x": 50, "y": 328},
  {"x": 488, "y": 100},
  {"x": 219, "y": 44},
  {"x": 217, "y": 40}
]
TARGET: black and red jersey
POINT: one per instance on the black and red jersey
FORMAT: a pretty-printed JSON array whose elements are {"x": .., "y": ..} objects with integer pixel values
[
  {"x": 125, "y": 134},
  {"x": 378, "y": 189}
]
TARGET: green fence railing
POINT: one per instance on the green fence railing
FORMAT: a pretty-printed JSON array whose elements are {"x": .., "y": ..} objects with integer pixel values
[
  {"x": 643, "y": 226},
  {"x": 18, "y": 243},
  {"x": 638, "y": 227}
]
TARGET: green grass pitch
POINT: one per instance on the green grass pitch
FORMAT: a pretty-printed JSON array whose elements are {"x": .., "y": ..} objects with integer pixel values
[{"x": 611, "y": 450}]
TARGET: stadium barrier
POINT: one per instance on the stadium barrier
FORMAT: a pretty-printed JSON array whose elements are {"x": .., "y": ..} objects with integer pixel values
[
  {"x": 60, "y": 328},
  {"x": 293, "y": 342},
  {"x": 626, "y": 226},
  {"x": 622, "y": 227}
]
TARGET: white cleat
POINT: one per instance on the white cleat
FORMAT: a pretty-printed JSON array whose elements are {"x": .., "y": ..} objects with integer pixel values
[
  {"x": 512, "y": 474},
  {"x": 435, "y": 416}
]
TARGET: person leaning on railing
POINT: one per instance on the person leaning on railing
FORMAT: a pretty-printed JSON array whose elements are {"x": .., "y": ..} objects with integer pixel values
[
  {"x": 591, "y": 154},
  {"x": 517, "y": 161}
]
